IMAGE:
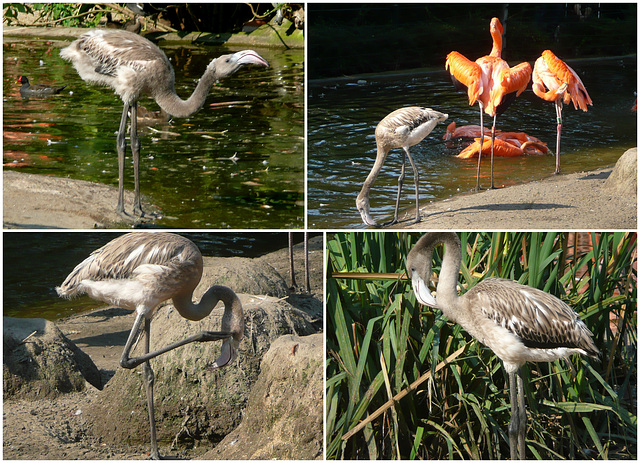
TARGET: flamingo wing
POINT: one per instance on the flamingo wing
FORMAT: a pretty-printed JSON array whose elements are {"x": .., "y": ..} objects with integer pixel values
[
  {"x": 467, "y": 73},
  {"x": 501, "y": 148},
  {"x": 551, "y": 73}
]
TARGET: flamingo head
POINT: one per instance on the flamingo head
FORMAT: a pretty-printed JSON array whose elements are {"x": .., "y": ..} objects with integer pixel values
[
  {"x": 362, "y": 202},
  {"x": 496, "y": 26}
]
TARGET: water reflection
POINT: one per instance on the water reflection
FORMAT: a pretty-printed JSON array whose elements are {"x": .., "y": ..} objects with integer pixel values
[
  {"x": 255, "y": 117},
  {"x": 341, "y": 142},
  {"x": 35, "y": 263}
]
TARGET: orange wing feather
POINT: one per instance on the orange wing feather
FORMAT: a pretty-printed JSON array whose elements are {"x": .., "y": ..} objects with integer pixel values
[
  {"x": 466, "y": 72},
  {"x": 557, "y": 66}
]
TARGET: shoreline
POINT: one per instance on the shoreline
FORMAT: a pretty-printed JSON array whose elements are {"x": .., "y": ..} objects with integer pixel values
[
  {"x": 577, "y": 201},
  {"x": 602, "y": 199}
]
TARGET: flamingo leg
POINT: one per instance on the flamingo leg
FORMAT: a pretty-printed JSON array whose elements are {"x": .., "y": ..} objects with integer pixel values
[
  {"x": 147, "y": 372},
  {"x": 132, "y": 362},
  {"x": 518, "y": 423},
  {"x": 559, "y": 130},
  {"x": 416, "y": 181},
  {"x": 121, "y": 145},
  {"x": 522, "y": 419},
  {"x": 481, "y": 143},
  {"x": 513, "y": 424},
  {"x": 149, "y": 380},
  {"x": 135, "y": 153},
  {"x": 493, "y": 139},
  {"x": 400, "y": 183}
]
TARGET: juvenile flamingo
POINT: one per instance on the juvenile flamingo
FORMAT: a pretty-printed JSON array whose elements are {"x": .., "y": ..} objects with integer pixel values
[
  {"x": 554, "y": 80},
  {"x": 489, "y": 81},
  {"x": 138, "y": 271},
  {"x": 133, "y": 66},
  {"x": 403, "y": 128},
  {"x": 518, "y": 323}
]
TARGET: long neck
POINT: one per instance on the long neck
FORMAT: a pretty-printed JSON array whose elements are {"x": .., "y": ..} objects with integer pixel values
[
  {"x": 362, "y": 201},
  {"x": 170, "y": 102},
  {"x": 232, "y": 319},
  {"x": 496, "y": 50},
  {"x": 447, "y": 292}
]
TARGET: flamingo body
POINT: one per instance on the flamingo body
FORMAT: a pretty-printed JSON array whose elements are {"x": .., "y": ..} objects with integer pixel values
[
  {"x": 402, "y": 128},
  {"x": 503, "y": 147},
  {"x": 554, "y": 80},
  {"x": 489, "y": 81},
  {"x": 138, "y": 271}
]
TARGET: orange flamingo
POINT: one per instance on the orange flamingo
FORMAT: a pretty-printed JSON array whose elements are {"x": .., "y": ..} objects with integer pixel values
[
  {"x": 509, "y": 147},
  {"x": 473, "y": 132},
  {"x": 489, "y": 81},
  {"x": 464, "y": 131},
  {"x": 554, "y": 80}
]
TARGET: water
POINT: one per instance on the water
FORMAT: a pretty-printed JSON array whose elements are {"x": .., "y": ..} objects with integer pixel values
[
  {"x": 36, "y": 262},
  {"x": 341, "y": 142},
  {"x": 185, "y": 165}
]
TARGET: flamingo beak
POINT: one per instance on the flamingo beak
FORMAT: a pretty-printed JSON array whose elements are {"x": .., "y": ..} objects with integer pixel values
[
  {"x": 422, "y": 292},
  {"x": 249, "y": 57},
  {"x": 228, "y": 354}
]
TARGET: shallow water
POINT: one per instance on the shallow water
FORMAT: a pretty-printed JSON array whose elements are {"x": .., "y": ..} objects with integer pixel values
[
  {"x": 255, "y": 116},
  {"x": 36, "y": 262},
  {"x": 341, "y": 142}
]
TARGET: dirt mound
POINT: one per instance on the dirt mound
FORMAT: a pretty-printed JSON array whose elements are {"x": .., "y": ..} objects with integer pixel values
[
  {"x": 193, "y": 403},
  {"x": 244, "y": 275},
  {"x": 274, "y": 425},
  {"x": 39, "y": 362}
]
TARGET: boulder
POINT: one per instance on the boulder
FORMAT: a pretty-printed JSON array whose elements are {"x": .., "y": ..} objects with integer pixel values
[
  {"x": 623, "y": 180},
  {"x": 244, "y": 275},
  {"x": 283, "y": 418}
]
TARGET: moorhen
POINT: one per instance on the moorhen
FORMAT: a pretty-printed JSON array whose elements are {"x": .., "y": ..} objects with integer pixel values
[{"x": 28, "y": 90}]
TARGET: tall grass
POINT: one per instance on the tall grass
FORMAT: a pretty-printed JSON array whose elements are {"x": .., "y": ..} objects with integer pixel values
[{"x": 380, "y": 341}]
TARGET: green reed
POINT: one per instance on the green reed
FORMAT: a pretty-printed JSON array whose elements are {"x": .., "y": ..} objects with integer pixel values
[{"x": 380, "y": 340}]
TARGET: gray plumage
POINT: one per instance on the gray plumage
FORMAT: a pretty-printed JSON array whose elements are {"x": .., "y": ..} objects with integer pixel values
[
  {"x": 403, "y": 128},
  {"x": 176, "y": 261},
  {"x": 133, "y": 66},
  {"x": 138, "y": 271},
  {"x": 519, "y": 323}
]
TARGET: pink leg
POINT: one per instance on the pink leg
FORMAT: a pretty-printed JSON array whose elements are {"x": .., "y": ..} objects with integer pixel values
[
  {"x": 481, "y": 142},
  {"x": 493, "y": 138},
  {"x": 559, "y": 130}
]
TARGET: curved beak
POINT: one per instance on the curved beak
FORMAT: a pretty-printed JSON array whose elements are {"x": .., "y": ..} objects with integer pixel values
[
  {"x": 228, "y": 354},
  {"x": 421, "y": 290},
  {"x": 249, "y": 57}
]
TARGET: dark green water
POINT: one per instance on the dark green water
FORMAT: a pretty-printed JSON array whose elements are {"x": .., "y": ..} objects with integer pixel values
[
  {"x": 185, "y": 165},
  {"x": 342, "y": 148},
  {"x": 34, "y": 263}
]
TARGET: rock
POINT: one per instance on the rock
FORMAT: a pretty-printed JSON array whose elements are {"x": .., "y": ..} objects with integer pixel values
[
  {"x": 192, "y": 402},
  {"x": 624, "y": 177},
  {"x": 283, "y": 418},
  {"x": 244, "y": 275},
  {"x": 40, "y": 362}
]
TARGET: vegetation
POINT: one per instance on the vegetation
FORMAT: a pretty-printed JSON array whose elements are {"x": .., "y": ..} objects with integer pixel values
[
  {"x": 380, "y": 340},
  {"x": 166, "y": 17}
]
